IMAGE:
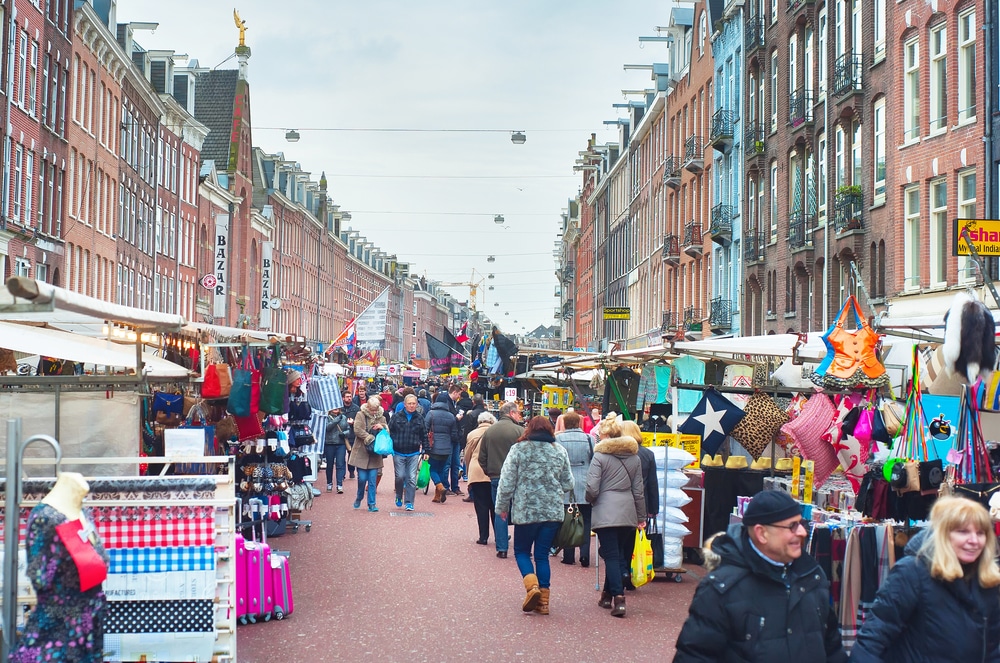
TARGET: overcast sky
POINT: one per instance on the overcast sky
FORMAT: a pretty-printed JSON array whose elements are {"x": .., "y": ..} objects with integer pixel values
[{"x": 552, "y": 68}]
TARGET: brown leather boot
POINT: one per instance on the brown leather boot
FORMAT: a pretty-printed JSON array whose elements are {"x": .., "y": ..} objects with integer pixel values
[
  {"x": 605, "y": 600},
  {"x": 618, "y": 608},
  {"x": 543, "y": 601},
  {"x": 532, "y": 593},
  {"x": 438, "y": 493}
]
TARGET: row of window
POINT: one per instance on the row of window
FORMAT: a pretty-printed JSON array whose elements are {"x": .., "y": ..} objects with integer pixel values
[{"x": 931, "y": 230}]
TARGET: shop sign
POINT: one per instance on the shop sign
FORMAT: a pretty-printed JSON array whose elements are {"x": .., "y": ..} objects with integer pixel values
[
  {"x": 365, "y": 371},
  {"x": 984, "y": 233},
  {"x": 510, "y": 394},
  {"x": 221, "y": 269},
  {"x": 617, "y": 313},
  {"x": 266, "y": 249}
]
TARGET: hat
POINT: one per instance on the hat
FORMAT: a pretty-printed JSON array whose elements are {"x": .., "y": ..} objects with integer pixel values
[
  {"x": 292, "y": 376},
  {"x": 769, "y": 507}
]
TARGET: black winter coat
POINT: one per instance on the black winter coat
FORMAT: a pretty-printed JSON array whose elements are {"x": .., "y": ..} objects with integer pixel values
[
  {"x": 409, "y": 436},
  {"x": 650, "y": 484},
  {"x": 442, "y": 422},
  {"x": 744, "y": 611},
  {"x": 918, "y": 618},
  {"x": 350, "y": 411},
  {"x": 470, "y": 422}
]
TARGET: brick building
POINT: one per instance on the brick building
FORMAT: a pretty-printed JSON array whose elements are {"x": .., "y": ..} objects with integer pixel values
[
  {"x": 37, "y": 56},
  {"x": 586, "y": 316}
]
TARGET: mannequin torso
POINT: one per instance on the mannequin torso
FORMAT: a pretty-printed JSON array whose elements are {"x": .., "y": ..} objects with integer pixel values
[{"x": 67, "y": 495}]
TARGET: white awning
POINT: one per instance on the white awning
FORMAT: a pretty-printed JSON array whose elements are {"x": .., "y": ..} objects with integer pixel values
[{"x": 78, "y": 348}]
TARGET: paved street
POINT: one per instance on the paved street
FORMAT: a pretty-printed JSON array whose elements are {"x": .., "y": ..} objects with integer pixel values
[{"x": 392, "y": 587}]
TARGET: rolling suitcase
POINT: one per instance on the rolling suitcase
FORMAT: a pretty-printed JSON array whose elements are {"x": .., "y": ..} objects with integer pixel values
[
  {"x": 241, "y": 580},
  {"x": 260, "y": 598},
  {"x": 281, "y": 585}
]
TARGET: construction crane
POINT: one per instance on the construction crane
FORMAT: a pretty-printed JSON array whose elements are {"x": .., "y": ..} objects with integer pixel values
[{"x": 473, "y": 284}]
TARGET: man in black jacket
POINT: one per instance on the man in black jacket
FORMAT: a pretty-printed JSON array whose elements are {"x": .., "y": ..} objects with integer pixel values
[{"x": 764, "y": 599}]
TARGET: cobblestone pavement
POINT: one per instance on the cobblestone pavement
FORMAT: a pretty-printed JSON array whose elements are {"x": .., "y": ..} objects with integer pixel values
[{"x": 395, "y": 586}]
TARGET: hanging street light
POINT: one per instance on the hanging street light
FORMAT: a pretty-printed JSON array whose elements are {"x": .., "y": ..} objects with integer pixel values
[
  {"x": 292, "y": 136},
  {"x": 491, "y": 259},
  {"x": 498, "y": 219},
  {"x": 518, "y": 138}
]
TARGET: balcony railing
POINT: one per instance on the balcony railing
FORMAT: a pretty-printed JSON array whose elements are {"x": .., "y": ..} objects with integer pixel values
[
  {"x": 847, "y": 211},
  {"x": 753, "y": 247},
  {"x": 692, "y": 318},
  {"x": 668, "y": 321},
  {"x": 694, "y": 154},
  {"x": 753, "y": 139},
  {"x": 722, "y": 129},
  {"x": 722, "y": 224},
  {"x": 754, "y": 34},
  {"x": 800, "y": 108},
  {"x": 847, "y": 72},
  {"x": 671, "y": 249},
  {"x": 672, "y": 172},
  {"x": 567, "y": 272},
  {"x": 721, "y": 316},
  {"x": 794, "y": 5},
  {"x": 800, "y": 227},
  {"x": 692, "y": 240}
]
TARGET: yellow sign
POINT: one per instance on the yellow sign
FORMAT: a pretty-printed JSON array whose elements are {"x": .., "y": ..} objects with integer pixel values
[
  {"x": 689, "y": 443},
  {"x": 559, "y": 397},
  {"x": 985, "y": 234},
  {"x": 617, "y": 313}
]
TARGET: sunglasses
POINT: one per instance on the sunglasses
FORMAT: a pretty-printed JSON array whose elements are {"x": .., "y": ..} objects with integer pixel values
[{"x": 793, "y": 526}]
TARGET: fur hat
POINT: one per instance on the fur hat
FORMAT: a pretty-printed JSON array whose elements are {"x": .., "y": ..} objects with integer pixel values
[
  {"x": 969, "y": 338},
  {"x": 292, "y": 376}
]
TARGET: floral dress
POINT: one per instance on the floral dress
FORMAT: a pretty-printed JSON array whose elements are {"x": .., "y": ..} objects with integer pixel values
[{"x": 67, "y": 624}]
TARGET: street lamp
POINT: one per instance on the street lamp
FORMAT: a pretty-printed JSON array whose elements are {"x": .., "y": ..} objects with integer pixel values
[
  {"x": 498, "y": 219},
  {"x": 518, "y": 138},
  {"x": 292, "y": 136}
]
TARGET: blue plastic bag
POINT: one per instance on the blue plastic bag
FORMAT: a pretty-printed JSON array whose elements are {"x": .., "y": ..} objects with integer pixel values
[{"x": 383, "y": 443}]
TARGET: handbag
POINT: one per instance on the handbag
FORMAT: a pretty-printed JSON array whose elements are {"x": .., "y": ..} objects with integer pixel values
[
  {"x": 241, "y": 401},
  {"x": 273, "y": 388},
  {"x": 893, "y": 414},
  {"x": 842, "y": 369},
  {"x": 168, "y": 405},
  {"x": 642, "y": 559},
  {"x": 323, "y": 393},
  {"x": 570, "y": 534},
  {"x": 424, "y": 474},
  {"x": 807, "y": 430},
  {"x": 656, "y": 541},
  {"x": 383, "y": 443},
  {"x": 218, "y": 381},
  {"x": 248, "y": 428},
  {"x": 991, "y": 393}
]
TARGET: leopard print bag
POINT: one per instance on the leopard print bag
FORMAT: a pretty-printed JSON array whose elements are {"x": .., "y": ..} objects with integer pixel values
[{"x": 761, "y": 422}]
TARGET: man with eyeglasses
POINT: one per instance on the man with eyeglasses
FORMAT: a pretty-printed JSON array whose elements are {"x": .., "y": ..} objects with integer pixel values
[{"x": 764, "y": 598}]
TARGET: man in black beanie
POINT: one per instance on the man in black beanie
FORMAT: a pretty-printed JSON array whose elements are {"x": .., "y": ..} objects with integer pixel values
[{"x": 764, "y": 598}]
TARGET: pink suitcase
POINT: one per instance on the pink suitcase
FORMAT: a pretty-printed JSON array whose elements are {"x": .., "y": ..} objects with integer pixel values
[
  {"x": 281, "y": 584},
  {"x": 241, "y": 579},
  {"x": 260, "y": 598}
]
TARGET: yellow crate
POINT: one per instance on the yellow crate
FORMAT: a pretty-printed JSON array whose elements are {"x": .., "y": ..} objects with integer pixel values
[{"x": 690, "y": 444}]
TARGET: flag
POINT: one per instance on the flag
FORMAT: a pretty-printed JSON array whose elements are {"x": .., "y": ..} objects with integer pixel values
[
  {"x": 462, "y": 336},
  {"x": 457, "y": 351},
  {"x": 345, "y": 339},
  {"x": 506, "y": 349},
  {"x": 713, "y": 418},
  {"x": 439, "y": 355}
]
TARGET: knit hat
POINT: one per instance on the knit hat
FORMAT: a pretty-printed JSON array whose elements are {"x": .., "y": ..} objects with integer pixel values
[
  {"x": 770, "y": 506},
  {"x": 292, "y": 376}
]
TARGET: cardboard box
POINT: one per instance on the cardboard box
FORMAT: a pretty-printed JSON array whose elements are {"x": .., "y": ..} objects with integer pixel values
[{"x": 690, "y": 444}]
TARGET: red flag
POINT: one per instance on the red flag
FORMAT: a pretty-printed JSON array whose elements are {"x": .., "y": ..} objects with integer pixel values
[{"x": 462, "y": 337}]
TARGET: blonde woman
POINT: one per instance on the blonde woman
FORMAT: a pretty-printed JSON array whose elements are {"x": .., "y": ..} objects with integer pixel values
[
  {"x": 367, "y": 423},
  {"x": 941, "y": 602}
]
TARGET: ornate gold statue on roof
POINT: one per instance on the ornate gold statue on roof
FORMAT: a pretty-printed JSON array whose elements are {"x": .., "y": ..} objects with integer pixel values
[{"x": 242, "y": 25}]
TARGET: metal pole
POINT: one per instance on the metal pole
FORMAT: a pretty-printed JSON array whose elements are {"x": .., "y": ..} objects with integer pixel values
[{"x": 11, "y": 507}]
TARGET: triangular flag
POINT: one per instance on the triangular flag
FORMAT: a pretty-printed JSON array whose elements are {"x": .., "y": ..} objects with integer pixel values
[
  {"x": 462, "y": 337},
  {"x": 439, "y": 355},
  {"x": 345, "y": 339},
  {"x": 457, "y": 351},
  {"x": 713, "y": 418}
]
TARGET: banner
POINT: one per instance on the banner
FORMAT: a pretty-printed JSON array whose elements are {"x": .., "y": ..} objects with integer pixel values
[
  {"x": 370, "y": 326},
  {"x": 439, "y": 355},
  {"x": 457, "y": 351},
  {"x": 221, "y": 267},
  {"x": 266, "y": 249}
]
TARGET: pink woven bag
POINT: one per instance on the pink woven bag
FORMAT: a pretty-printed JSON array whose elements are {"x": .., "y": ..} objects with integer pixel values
[{"x": 806, "y": 432}]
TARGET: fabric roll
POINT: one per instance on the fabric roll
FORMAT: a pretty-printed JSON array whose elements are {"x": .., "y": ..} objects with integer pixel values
[
  {"x": 156, "y": 560},
  {"x": 159, "y": 616}
]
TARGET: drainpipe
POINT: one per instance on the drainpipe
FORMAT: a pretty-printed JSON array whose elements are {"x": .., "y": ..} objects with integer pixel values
[
  {"x": 8, "y": 66},
  {"x": 992, "y": 85},
  {"x": 826, "y": 171}
]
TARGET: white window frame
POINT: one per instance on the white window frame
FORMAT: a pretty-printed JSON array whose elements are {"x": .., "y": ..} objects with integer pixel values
[
  {"x": 967, "y": 90},
  {"x": 773, "y": 185},
  {"x": 911, "y": 238},
  {"x": 911, "y": 91},
  {"x": 840, "y": 147},
  {"x": 821, "y": 176},
  {"x": 878, "y": 143},
  {"x": 937, "y": 50},
  {"x": 937, "y": 234},
  {"x": 774, "y": 91},
  {"x": 29, "y": 186},
  {"x": 22, "y": 267},
  {"x": 878, "y": 29},
  {"x": 33, "y": 79},
  {"x": 18, "y": 182},
  {"x": 840, "y": 28},
  {"x": 752, "y": 209},
  {"x": 22, "y": 68},
  {"x": 821, "y": 48},
  {"x": 808, "y": 59},
  {"x": 793, "y": 63},
  {"x": 857, "y": 165},
  {"x": 966, "y": 210}
]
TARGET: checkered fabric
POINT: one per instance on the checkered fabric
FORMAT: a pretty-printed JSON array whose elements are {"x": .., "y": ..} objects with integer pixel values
[
  {"x": 154, "y": 527},
  {"x": 155, "y": 560},
  {"x": 22, "y": 527}
]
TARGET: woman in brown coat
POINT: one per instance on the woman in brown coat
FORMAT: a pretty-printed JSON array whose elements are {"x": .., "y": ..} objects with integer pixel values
[
  {"x": 479, "y": 483},
  {"x": 367, "y": 423}
]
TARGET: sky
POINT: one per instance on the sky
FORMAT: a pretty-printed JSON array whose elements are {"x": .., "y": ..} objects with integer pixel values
[{"x": 332, "y": 68}]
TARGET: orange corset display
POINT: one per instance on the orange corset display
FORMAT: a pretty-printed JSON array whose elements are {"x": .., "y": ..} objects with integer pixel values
[{"x": 852, "y": 359}]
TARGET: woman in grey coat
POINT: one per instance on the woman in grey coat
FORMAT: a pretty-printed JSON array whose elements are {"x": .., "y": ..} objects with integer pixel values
[
  {"x": 535, "y": 474},
  {"x": 580, "y": 449},
  {"x": 614, "y": 487}
]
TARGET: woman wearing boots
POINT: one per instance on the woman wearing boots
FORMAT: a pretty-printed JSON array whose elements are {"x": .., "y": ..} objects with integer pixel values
[
  {"x": 479, "y": 483},
  {"x": 536, "y": 474},
  {"x": 367, "y": 423},
  {"x": 614, "y": 488},
  {"x": 580, "y": 450}
]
